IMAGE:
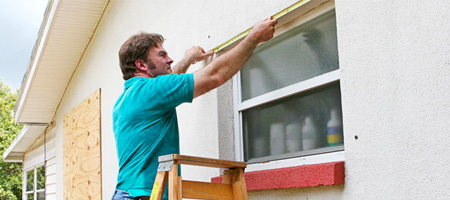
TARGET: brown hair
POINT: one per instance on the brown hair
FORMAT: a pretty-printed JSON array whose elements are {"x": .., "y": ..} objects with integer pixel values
[{"x": 136, "y": 47}]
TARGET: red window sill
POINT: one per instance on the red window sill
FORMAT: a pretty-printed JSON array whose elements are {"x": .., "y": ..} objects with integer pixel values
[{"x": 294, "y": 177}]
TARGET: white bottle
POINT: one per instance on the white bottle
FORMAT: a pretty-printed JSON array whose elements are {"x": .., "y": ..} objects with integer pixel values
[
  {"x": 334, "y": 129},
  {"x": 277, "y": 139},
  {"x": 309, "y": 134},
  {"x": 294, "y": 141},
  {"x": 260, "y": 146}
]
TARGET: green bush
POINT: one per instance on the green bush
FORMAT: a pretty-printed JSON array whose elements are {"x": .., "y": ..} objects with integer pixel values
[{"x": 10, "y": 173}]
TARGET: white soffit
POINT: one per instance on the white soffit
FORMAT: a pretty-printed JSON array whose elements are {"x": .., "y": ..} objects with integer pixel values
[
  {"x": 65, "y": 34},
  {"x": 23, "y": 141}
]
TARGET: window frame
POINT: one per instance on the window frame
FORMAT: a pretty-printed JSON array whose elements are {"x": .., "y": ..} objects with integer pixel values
[
  {"x": 35, "y": 191},
  {"x": 332, "y": 154}
]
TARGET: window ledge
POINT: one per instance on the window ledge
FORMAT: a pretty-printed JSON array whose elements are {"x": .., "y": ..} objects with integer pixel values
[{"x": 294, "y": 177}]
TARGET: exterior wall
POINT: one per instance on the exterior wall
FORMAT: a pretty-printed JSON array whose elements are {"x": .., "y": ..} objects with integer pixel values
[
  {"x": 395, "y": 82},
  {"x": 35, "y": 157},
  {"x": 395, "y": 74}
]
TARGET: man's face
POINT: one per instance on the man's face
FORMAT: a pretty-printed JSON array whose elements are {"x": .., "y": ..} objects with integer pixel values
[{"x": 158, "y": 61}]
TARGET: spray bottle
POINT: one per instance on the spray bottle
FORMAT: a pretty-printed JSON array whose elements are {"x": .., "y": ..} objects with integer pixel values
[{"x": 334, "y": 129}]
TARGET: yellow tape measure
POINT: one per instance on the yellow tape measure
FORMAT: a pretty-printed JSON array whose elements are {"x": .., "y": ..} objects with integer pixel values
[
  {"x": 245, "y": 33},
  {"x": 155, "y": 190}
]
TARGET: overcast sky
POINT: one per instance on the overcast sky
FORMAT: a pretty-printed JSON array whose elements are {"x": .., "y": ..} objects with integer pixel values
[{"x": 20, "y": 21}]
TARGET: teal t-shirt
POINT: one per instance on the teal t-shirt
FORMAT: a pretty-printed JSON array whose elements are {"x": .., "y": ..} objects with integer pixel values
[{"x": 145, "y": 127}]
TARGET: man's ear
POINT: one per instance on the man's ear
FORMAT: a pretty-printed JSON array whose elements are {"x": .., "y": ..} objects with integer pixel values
[{"x": 140, "y": 64}]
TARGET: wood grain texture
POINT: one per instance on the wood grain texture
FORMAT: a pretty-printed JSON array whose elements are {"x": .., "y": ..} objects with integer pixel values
[
  {"x": 174, "y": 183},
  {"x": 200, "y": 161},
  {"x": 159, "y": 186},
  {"x": 81, "y": 150},
  {"x": 238, "y": 185},
  {"x": 201, "y": 190}
]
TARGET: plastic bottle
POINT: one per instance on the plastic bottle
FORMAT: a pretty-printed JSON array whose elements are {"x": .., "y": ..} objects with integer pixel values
[
  {"x": 260, "y": 145},
  {"x": 294, "y": 141},
  {"x": 334, "y": 129},
  {"x": 277, "y": 139},
  {"x": 309, "y": 134}
]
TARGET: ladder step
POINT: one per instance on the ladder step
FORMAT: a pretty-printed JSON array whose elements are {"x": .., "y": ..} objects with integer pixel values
[
  {"x": 199, "y": 161},
  {"x": 202, "y": 190}
]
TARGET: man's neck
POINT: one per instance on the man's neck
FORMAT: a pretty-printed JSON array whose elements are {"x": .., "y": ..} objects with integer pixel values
[{"x": 140, "y": 74}]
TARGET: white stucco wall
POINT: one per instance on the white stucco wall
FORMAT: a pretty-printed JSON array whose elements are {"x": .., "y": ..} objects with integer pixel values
[
  {"x": 395, "y": 63},
  {"x": 395, "y": 81}
]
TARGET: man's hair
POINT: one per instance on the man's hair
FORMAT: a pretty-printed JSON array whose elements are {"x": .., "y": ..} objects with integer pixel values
[{"x": 136, "y": 47}]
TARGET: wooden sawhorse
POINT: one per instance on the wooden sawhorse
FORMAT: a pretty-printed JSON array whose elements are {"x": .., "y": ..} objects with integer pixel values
[{"x": 232, "y": 186}]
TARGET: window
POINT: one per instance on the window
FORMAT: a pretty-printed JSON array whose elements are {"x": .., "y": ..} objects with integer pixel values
[
  {"x": 35, "y": 183},
  {"x": 288, "y": 98}
]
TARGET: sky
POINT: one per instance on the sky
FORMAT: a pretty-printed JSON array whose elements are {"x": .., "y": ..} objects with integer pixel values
[{"x": 20, "y": 21}]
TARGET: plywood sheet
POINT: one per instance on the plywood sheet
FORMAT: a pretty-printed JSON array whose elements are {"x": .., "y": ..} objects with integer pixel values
[{"x": 81, "y": 150}]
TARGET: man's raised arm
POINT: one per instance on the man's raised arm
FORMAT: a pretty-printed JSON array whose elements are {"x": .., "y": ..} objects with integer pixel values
[{"x": 227, "y": 65}]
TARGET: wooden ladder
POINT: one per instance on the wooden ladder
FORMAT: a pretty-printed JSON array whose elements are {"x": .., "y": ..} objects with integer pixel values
[{"x": 232, "y": 186}]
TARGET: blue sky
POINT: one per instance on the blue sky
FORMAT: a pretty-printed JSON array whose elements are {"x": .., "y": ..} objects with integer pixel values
[{"x": 20, "y": 21}]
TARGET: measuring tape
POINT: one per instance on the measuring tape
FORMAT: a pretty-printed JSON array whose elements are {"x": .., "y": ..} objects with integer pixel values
[{"x": 245, "y": 33}]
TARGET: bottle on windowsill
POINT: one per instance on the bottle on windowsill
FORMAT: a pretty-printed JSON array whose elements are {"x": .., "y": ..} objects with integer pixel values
[
  {"x": 334, "y": 129},
  {"x": 277, "y": 139},
  {"x": 294, "y": 141},
  {"x": 309, "y": 134}
]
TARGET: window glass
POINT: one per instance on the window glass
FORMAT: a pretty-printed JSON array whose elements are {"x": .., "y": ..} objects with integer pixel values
[
  {"x": 301, "y": 123},
  {"x": 41, "y": 178},
  {"x": 41, "y": 195},
  {"x": 30, "y": 180},
  {"x": 299, "y": 54},
  {"x": 39, "y": 182}
]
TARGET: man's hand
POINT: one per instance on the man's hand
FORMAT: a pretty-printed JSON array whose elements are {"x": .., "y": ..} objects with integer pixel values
[
  {"x": 197, "y": 54},
  {"x": 192, "y": 55},
  {"x": 263, "y": 31}
]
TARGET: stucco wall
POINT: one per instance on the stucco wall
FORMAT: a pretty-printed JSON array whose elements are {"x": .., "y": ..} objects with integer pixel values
[
  {"x": 395, "y": 64},
  {"x": 395, "y": 81}
]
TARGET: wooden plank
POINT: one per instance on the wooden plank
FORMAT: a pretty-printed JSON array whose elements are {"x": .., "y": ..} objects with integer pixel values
[
  {"x": 202, "y": 190},
  {"x": 174, "y": 180},
  {"x": 227, "y": 176},
  {"x": 200, "y": 161},
  {"x": 81, "y": 150},
  {"x": 238, "y": 185},
  {"x": 159, "y": 185}
]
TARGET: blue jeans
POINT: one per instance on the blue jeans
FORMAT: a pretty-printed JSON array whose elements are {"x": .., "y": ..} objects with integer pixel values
[{"x": 123, "y": 195}]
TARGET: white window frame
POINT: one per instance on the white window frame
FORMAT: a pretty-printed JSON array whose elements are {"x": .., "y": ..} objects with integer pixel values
[
  {"x": 35, "y": 190},
  {"x": 300, "y": 87}
]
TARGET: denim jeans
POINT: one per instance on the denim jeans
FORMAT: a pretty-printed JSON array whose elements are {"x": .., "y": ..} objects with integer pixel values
[{"x": 123, "y": 195}]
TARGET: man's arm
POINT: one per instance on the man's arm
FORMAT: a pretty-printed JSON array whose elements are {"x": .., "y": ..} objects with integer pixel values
[
  {"x": 226, "y": 66},
  {"x": 192, "y": 55}
]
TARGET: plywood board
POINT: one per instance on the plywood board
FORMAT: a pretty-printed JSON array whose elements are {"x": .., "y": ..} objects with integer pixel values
[{"x": 81, "y": 150}]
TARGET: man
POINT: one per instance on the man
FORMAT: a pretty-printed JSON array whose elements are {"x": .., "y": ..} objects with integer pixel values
[{"x": 144, "y": 117}]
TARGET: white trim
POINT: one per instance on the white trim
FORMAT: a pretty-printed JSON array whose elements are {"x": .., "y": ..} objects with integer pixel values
[
  {"x": 35, "y": 59},
  {"x": 292, "y": 162},
  {"x": 25, "y": 181},
  {"x": 295, "y": 88},
  {"x": 238, "y": 140},
  {"x": 39, "y": 98},
  {"x": 26, "y": 137}
]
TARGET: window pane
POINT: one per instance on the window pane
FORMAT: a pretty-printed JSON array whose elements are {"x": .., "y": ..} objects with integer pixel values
[
  {"x": 30, "y": 196},
  {"x": 303, "y": 122},
  {"x": 299, "y": 54},
  {"x": 41, "y": 178},
  {"x": 41, "y": 195},
  {"x": 30, "y": 180}
]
